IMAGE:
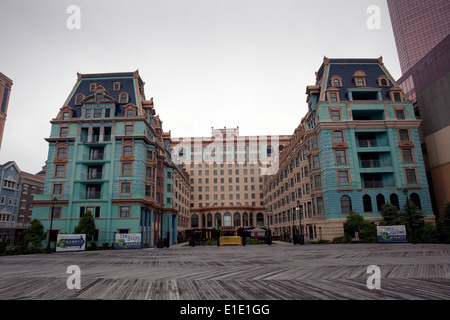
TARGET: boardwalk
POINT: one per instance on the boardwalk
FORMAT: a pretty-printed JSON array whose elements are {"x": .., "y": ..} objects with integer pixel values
[{"x": 277, "y": 272}]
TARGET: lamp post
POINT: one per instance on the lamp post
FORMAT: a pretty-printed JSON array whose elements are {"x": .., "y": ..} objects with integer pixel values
[
  {"x": 293, "y": 229},
  {"x": 300, "y": 217},
  {"x": 405, "y": 192},
  {"x": 51, "y": 225}
]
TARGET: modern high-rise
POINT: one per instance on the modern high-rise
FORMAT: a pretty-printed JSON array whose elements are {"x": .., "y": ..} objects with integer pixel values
[
  {"x": 5, "y": 89},
  {"x": 418, "y": 27},
  {"x": 108, "y": 155},
  {"x": 226, "y": 173},
  {"x": 422, "y": 33},
  {"x": 357, "y": 148}
]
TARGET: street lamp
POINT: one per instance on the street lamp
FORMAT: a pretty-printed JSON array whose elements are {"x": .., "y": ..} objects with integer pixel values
[
  {"x": 293, "y": 229},
  {"x": 301, "y": 228},
  {"x": 51, "y": 224},
  {"x": 405, "y": 192}
]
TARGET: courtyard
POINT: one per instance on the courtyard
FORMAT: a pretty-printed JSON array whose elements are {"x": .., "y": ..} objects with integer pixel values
[{"x": 281, "y": 271}]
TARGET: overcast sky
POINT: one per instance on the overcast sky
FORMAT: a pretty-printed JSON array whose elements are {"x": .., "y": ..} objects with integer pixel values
[{"x": 206, "y": 63}]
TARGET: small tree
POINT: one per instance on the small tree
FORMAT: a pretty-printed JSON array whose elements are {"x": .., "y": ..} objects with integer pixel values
[
  {"x": 391, "y": 215},
  {"x": 356, "y": 223},
  {"x": 443, "y": 225},
  {"x": 34, "y": 235},
  {"x": 86, "y": 226},
  {"x": 414, "y": 220}
]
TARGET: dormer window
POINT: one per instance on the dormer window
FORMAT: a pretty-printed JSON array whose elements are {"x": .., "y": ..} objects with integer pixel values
[
  {"x": 92, "y": 87},
  {"x": 116, "y": 86},
  {"x": 333, "y": 95},
  {"x": 360, "y": 78},
  {"x": 396, "y": 94},
  {"x": 336, "y": 81},
  {"x": 123, "y": 98},
  {"x": 383, "y": 81}
]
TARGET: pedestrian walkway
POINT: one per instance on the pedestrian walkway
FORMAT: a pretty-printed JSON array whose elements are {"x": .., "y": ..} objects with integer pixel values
[{"x": 281, "y": 271}]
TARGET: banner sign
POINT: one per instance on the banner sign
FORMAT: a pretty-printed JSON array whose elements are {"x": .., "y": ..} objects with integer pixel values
[
  {"x": 391, "y": 234},
  {"x": 71, "y": 242},
  {"x": 127, "y": 241}
]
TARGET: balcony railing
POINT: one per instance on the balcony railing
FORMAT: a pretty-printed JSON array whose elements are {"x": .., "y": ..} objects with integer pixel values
[
  {"x": 373, "y": 184},
  {"x": 372, "y": 163},
  {"x": 91, "y": 195},
  {"x": 371, "y": 143}
]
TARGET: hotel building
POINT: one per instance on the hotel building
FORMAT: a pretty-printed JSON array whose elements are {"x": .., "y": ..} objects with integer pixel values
[
  {"x": 108, "y": 155},
  {"x": 226, "y": 174},
  {"x": 357, "y": 148}
]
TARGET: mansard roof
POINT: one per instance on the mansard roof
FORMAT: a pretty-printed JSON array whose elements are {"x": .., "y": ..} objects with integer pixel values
[{"x": 107, "y": 81}]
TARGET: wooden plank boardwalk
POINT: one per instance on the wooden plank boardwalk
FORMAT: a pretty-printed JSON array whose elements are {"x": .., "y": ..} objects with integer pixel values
[{"x": 278, "y": 272}]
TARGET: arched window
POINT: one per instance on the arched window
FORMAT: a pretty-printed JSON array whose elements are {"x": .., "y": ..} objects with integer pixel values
[
  {"x": 416, "y": 200},
  {"x": 123, "y": 98},
  {"x": 251, "y": 220},
  {"x": 394, "y": 200},
  {"x": 260, "y": 220},
  {"x": 203, "y": 220},
  {"x": 237, "y": 219},
  {"x": 380, "y": 202},
  {"x": 209, "y": 220},
  {"x": 194, "y": 221},
  {"x": 217, "y": 220},
  {"x": 346, "y": 204},
  {"x": 227, "y": 219},
  {"x": 367, "y": 203}
]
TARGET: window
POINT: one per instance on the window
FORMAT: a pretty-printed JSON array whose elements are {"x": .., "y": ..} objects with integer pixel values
[
  {"x": 346, "y": 204},
  {"x": 394, "y": 200},
  {"x": 416, "y": 200},
  {"x": 404, "y": 135},
  {"x": 56, "y": 212},
  {"x": 126, "y": 169},
  {"x": 116, "y": 86},
  {"x": 123, "y": 98},
  {"x": 130, "y": 113},
  {"x": 367, "y": 203},
  {"x": 360, "y": 82},
  {"x": 99, "y": 97},
  {"x": 397, "y": 97},
  {"x": 407, "y": 155},
  {"x": 333, "y": 97},
  {"x": 107, "y": 112},
  {"x": 411, "y": 176},
  {"x": 336, "y": 83},
  {"x": 127, "y": 151},
  {"x": 63, "y": 131},
  {"x": 65, "y": 116},
  {"x": 338, "y": 137},
  {"x": 384, "y": 82},
  {"x": 400, "y": 114},
  {"x": 57, "y": 189},
  {"x": 194, "y": 221},
  {"x": 95, "y": 172},
  {"x": 316, "y": 162},
  {"x": 92, "y": 87},
  {"x": 61, "y": 152},
  {"x": 335, "y": 115},
  {"x": 343, "y": 177},
  {"x": 93, "y": 191},
  {"x": 124, "y": 212},
  {"x": 59, "y": 170},
  {"x": 87, "y": 113},
  {"x": 128, "y": 130},
  {"x": 380, "y": 202},
  {"x": 97, "y": 113},
  {"x": 125, "y": 187},
  {"x": 340, "y": 157}
]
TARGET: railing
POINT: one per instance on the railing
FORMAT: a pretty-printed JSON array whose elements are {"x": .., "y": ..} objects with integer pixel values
[
  {"x": 373, "y": 163},
  {"x": 373, "y": 184},
  {"x": 90, "y": 195},
  {"x": 371, "y": 143}
]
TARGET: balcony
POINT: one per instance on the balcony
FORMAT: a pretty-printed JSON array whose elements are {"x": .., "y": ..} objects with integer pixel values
[{"x": 368, "y": 143}]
